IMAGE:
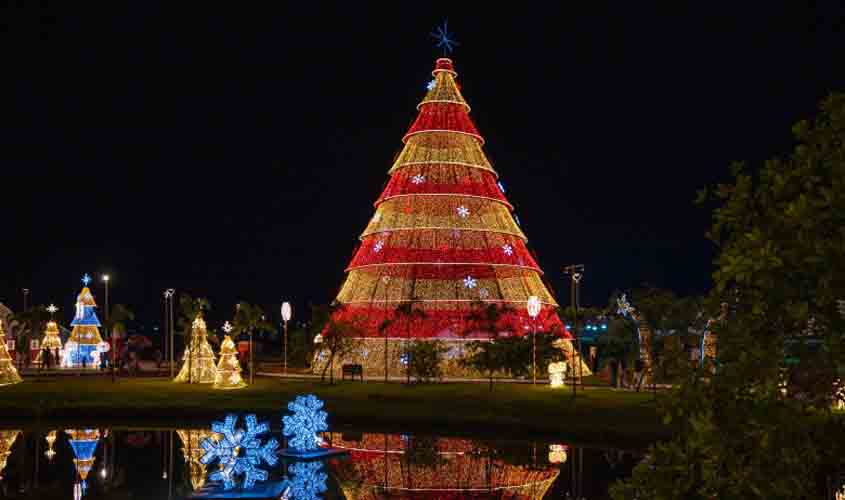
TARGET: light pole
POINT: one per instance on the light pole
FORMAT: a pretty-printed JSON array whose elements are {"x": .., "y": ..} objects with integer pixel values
[
  {"x": 168, "y": 302},
  {"x": 286, "y": 314},
  {"x": 576, "y": 272},
  {"x": 110, "y": 331},
  {"x": 534, "y": 307},
  {"x": 25, "y": 295}
]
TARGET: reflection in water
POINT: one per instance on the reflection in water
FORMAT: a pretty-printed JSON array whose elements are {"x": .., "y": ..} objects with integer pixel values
[
  {"x": 306, "y": 481},
  {"x": 165, "y": 464},
  {"x": 7, "y": 439},
  {"x": 84, "y": 444},
  {"x": 51, "y": 440},
  {"x": 383, "y": 465},
  {"x": 193, "y": 452}
]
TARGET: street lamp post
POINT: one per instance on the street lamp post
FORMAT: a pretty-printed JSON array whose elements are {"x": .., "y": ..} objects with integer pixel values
[
  {"x": 168, "y": 302},
  {"x": 576, "y": 272},
  {"x": 534, "y": 307},
  {"x": 286, "y": 314},
  {"x": 25, "y": 296},
  {"x": 110, "y": 331}
]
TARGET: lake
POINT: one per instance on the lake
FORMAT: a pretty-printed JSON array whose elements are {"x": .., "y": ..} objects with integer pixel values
[{"x": 123, "y": 462}]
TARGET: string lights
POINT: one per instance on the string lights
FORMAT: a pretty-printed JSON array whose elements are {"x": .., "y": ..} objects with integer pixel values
[{"x": 443, "y": 236}]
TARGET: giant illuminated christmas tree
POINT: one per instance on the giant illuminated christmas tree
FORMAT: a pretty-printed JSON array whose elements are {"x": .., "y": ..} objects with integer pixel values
[
  {"x": 85, "y": 334},
  {"x": 443, "y": 239}
]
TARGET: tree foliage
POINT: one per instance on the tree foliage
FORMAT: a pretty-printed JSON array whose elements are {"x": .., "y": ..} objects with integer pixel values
[
  {"x": 425, "y": 358},
  {"x": 780, "y": 233}
]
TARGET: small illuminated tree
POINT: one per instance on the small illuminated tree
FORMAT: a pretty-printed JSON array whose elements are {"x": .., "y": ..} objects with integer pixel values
[{"x": 228, "y": 368}]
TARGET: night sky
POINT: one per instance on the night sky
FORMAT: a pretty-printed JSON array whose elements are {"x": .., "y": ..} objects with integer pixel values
[{"x": 235, "y": 153}]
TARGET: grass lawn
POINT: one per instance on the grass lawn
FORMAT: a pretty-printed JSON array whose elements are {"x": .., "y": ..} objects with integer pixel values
[{"x": 598, "y": 415}]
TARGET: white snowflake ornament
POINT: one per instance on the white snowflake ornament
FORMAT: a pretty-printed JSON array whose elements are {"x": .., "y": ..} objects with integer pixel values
[
  {"x": 431, "y": 85},
  {"x": 463, "y": 212},
  {"x": 470, "y": 282},
  {"x": 418, "y": 179},
  {"x": 507, "y": 249},
  {"x": 378, "y": 246}
]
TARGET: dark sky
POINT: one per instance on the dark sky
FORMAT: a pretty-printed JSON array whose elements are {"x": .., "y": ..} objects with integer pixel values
[{"x": 236, "y": 152}]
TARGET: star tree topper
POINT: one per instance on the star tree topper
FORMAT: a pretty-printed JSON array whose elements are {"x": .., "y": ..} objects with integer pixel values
[
  {"x": 307, "y": 420},
  {"x": 86, "y": 279},
  {"x": 445, "y": 40}
]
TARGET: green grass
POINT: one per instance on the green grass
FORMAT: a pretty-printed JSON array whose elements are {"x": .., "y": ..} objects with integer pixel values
[{"x": 598, "y": 415}]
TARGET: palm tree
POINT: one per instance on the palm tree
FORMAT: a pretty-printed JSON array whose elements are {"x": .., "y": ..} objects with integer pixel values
[
  {"x": 488, "y": 317},
  {"x": 406, "y": 311},
  {"x": 250, "y": 319}
]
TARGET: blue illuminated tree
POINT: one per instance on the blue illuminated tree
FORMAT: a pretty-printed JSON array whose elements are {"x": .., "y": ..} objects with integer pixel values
[
  {"x": 307, "y": 481},
  {"x": 239, "y": 451},
  {"x": 307, "y": 420}
]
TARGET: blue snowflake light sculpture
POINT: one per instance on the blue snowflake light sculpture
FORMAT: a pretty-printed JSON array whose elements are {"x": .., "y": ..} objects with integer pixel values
[
  {"x": 307, "y": 481},
  {"x": 307, "y": 420},
  {"x": 445, "y": 40},
  {"x": 239, "y": 451}
]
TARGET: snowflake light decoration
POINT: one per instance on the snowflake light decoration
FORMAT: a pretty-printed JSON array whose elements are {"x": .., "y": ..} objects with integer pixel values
[
  {"x": 418, "y": 179},
  {"x": 307, "y": 481},
  {"x": 623, "y": 306},
  {"x": 463, "y": 212},
  {"x": 430, "y": 85},
  {"x": 307, "y": 420},
  {"x": 445, "y": 39},
  {"x": 227, "y": 327},
  {"x": 239, "y": 451},
  {"x": 405, "y": 358},
  {"x": 507, "y": 249},
  {"x": 378, "y": 246},
  {"x": 86, "y": 279},
  {"x": 52, "y": 308},
  {"x": 470, "y": 282}
]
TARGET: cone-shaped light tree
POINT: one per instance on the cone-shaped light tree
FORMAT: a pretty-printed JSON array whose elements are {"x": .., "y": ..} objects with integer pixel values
[
  {"x": 85, "y": 335},
  {"x": 51, "y": 341},
  {"x": 8, "y": 373},
  {"x": 198, "y": 361},
  {"x": 443, "y": 236},
  {"x": 228, "y": 368}
]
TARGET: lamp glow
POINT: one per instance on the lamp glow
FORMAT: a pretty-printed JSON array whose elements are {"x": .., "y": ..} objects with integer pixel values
[{"x": 286, "y": 311}]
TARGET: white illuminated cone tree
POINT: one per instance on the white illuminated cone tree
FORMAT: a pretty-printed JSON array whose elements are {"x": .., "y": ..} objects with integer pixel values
[
  {"x": 198, "y": 361},
  {"x": 228, "y": 368}
]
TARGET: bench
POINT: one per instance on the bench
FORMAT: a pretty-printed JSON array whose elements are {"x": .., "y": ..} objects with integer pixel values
[{"x": 353, "y": 371}]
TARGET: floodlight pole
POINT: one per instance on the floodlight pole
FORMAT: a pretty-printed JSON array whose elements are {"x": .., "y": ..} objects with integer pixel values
[{"x": 576, "y": 272}]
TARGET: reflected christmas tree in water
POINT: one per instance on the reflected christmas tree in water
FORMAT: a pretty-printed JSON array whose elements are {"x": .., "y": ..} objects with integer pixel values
[
  {"x": 51, "y": 440},
  {"x": 84, "y": 444},
  {"x": 7, "y": 440},
  {"x": 193, "y": 452},
  {"x": 388, "y": 466}
]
